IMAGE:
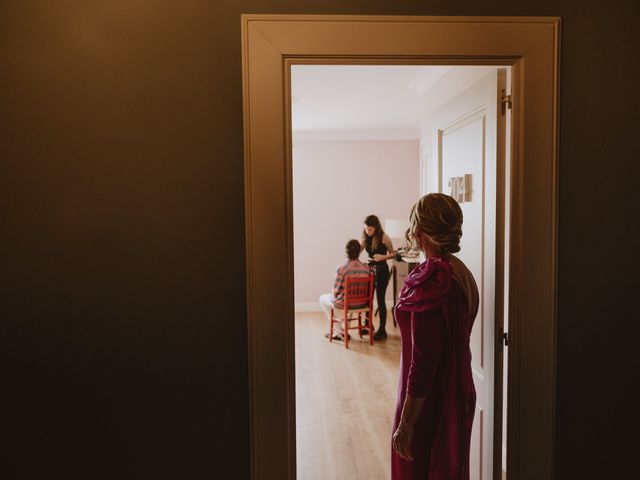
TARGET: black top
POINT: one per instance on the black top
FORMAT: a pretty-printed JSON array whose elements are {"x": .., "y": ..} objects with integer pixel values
[{"x": 381, "y": 249}]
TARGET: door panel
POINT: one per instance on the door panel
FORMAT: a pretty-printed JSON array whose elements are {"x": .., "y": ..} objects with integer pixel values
[{"x": 466, "y": 149}]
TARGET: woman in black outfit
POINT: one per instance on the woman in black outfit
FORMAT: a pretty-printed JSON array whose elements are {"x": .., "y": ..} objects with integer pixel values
[{"x": 378, "y": 246}]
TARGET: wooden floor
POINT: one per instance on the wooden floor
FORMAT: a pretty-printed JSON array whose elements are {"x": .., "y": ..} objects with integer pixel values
[{"x": 345, "y": 402}]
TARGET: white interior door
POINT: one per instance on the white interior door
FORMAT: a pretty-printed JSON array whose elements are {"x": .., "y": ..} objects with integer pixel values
[{"x": 466, "y": 149}]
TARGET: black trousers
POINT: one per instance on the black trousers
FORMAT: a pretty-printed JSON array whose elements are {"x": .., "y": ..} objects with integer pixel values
[{"x": 381, "y": 282}]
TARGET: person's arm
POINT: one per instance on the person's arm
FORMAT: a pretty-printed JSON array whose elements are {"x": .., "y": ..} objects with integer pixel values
[
  {"x": 338, "y": 284},
  {"x": 378, "y": 257},
  {"x": 427, "y": 335},
  {"x": 401, "y": 440}
]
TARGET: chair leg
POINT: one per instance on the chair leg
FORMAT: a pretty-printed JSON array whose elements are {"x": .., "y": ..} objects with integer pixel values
[
  {"x": 346, "y": 328},
  {"x": 331, "y": 327},
  {"x": 360, "y": 324}
]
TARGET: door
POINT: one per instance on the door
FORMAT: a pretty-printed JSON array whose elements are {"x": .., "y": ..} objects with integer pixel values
[{"x": 467, "y": 148}]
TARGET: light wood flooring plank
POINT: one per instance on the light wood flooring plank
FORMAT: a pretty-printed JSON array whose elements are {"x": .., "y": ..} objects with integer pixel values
[{"x": 345, "y": 402}]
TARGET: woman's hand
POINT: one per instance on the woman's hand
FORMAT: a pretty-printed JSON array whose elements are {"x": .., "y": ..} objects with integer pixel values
[
  {"x": 379, "y": 258},
  {"x": 401, "y": 442}
]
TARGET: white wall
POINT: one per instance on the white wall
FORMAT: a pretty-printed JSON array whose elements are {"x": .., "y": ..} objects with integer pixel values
[
  {"x": 454, "y": 82},
  {"x": 336, "y": 184}
]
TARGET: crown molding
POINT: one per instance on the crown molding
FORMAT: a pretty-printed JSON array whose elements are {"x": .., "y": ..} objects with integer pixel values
[{"x": 372, "y": 135}]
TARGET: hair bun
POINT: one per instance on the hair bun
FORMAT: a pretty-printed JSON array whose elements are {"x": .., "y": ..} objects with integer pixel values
[
  {"x": 448, "y": 240},
  {"x": 438, "y": 217}
]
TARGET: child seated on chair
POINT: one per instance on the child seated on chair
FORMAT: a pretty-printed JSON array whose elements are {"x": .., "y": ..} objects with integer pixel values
[{"x": 351, "y": 268}]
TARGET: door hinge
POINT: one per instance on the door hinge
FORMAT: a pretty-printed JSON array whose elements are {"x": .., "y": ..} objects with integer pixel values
[
  {"x": 506, "y": 102},
  {"x": 502, "y": 338}
]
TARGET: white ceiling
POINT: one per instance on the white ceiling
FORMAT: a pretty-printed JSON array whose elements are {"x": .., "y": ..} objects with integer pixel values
[{"x": 332, "y": 101}]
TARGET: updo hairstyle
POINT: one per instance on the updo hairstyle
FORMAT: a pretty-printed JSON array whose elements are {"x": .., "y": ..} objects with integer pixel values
[{"x": 438, "y": 217}]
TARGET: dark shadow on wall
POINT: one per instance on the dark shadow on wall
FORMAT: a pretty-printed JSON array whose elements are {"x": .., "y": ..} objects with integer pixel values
[{"x": 122, "y": 327}]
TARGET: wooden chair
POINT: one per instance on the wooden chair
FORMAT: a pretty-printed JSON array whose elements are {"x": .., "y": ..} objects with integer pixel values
[{"x": 358, "y": 300}]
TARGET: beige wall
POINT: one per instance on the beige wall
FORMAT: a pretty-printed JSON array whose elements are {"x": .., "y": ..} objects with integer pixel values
[{"x": 336, "y": 184}]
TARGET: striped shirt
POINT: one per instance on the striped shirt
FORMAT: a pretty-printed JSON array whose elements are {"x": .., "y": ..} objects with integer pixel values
[{"x": 351, "y": 268}]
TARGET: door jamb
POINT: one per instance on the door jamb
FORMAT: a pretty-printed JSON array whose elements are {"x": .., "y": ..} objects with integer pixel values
[{"x": 271, "y": 43}]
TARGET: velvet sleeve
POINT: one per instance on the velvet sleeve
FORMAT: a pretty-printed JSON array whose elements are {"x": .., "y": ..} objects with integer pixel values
[
  {"x": 427, "y": 337},
  {"x": 426, "y": 287}
]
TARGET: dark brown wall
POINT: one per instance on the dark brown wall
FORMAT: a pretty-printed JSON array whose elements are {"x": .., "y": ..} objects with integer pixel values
[{"x": 122, "y": 328}]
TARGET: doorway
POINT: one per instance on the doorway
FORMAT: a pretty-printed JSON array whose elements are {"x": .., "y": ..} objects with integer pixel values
[
  {"x": 373, "y": 139},
  {"x": 271, "y": 45}
]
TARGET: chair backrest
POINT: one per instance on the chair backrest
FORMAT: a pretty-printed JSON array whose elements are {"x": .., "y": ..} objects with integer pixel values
[{"x": 358, "y": 292}]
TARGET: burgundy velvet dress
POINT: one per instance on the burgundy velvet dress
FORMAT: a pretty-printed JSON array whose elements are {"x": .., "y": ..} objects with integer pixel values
[{"x": 435, "y": 314}]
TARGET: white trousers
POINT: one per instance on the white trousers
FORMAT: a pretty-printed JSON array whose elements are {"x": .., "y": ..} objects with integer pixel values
[{"x": 326, "y": 304}]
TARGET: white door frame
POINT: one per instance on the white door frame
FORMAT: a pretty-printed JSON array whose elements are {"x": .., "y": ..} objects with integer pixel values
[{"x": 271, "y": 44}]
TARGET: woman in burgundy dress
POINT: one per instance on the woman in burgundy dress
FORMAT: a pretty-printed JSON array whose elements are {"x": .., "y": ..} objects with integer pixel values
[{"x": 435, "y": 313}]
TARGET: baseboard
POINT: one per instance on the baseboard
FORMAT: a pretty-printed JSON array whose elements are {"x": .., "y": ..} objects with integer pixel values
[{"x": 307, "y": 307}]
